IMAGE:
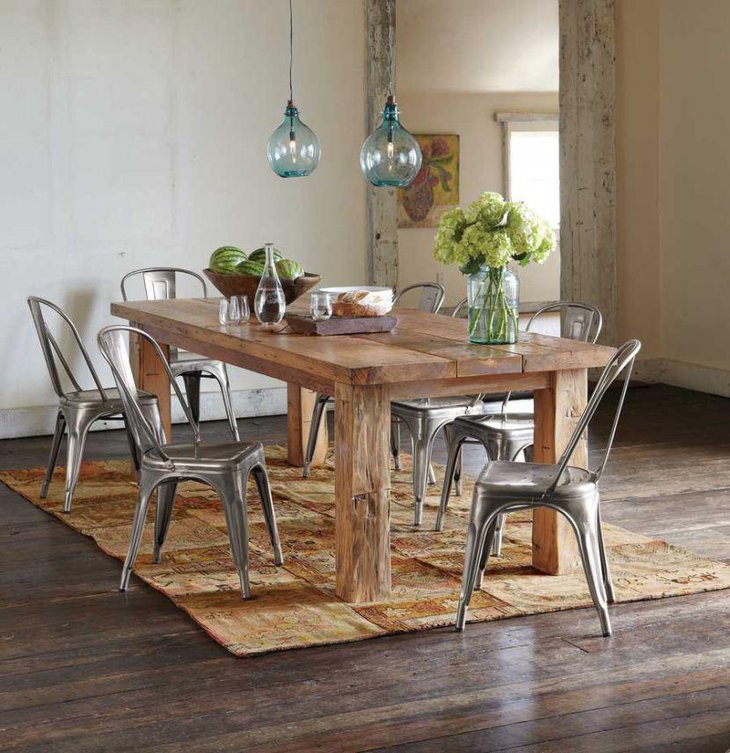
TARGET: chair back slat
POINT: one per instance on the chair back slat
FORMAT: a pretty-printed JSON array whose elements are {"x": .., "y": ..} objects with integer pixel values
[
  {"x": 622, "y": 362},
  {"x": 113, "y": 344},
  {"x": 578, "y": 321},
  {"x": 459, "y": 310},
  {"x": 53, "y": 353},
  {"x": 432, "y": 296},
  {"x": 160, "y": 283}
]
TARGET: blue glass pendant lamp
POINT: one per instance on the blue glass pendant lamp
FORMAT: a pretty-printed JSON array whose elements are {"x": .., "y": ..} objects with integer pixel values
[
  {"x": 293, "y": 149},
  {"x": 390, "y": 156}
]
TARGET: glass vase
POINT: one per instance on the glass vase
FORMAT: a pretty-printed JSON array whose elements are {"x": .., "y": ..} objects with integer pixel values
[
  {"x": 494, "y": 303},
  {"x": 269, "y": 302}
]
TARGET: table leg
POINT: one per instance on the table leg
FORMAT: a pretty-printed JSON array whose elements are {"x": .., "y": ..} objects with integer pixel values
[
  {"x": 150, "y": 375},
  {"x": 300, "y": 405},
  {"x": 557, "y": 410},
  {"x": 362, "y": 492}
]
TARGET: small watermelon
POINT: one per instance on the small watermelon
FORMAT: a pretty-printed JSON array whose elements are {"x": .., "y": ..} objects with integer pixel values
[
  {"x": 259, "y": 255},
  {"x": 225, "y": 258},
  {"x": 288, "y": 269},
  {"x": 250, "y": 268}
]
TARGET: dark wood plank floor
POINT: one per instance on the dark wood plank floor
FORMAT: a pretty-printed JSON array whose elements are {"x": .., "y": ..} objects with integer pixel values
[{"x": 85, "y": 668}]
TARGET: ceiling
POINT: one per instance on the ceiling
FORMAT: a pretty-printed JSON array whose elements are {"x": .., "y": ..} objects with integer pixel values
[{"x": 477, "y": 45}]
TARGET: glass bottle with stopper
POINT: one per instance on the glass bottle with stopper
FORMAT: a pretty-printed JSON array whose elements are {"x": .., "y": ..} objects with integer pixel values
[{"x": 269, "y": 301}]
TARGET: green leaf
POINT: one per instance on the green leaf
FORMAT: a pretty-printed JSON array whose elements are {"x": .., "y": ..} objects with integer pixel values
[{"x": 471, "y": 267}]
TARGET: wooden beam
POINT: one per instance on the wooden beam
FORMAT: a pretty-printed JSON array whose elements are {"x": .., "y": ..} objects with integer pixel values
[
  {"x": 588, "y": 157},
  {"x": 382, "y": 202},
  {"x": 362, "y": 492}
]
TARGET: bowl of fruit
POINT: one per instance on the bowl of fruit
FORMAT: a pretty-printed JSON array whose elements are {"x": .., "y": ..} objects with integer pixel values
[{"x": 233, "y": 272}]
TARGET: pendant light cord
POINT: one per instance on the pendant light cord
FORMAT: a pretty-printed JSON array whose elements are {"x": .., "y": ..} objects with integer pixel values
[
  {"x": 391, "y": 8},
  {"x": 291, "y": 50}
]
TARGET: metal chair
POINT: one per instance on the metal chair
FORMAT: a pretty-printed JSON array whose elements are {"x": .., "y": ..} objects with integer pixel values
[
  {"x": 78, "y": 408},
  {"x": 160, "y": 285},
  {"x": 423, "y": 418},
  {"x": 225, "y": 466},
  {"x": 572, "y": 491},
  {"x": 432, "y": 297},
  {"x": 505, "y": 435}
]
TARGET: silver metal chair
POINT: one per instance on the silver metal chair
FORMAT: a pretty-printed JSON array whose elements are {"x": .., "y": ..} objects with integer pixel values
[
  {"x": 225, "y": 466},
  {"x": 572, "y": 491},
  {"x": 431, "y": 299},
  {"x": 78, "y": 408},
  {"x": 423, "y": 418},
  {"x": 159, "y": 285},
  {"x": 505, "y": 435}
]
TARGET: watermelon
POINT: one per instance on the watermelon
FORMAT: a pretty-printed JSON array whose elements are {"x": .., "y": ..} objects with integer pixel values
[
  {"x": 250, "y": 268},
  {"x": 259, "y": 255},
  {"x": 288, "y": 269},
  {"x": 225, "y": 258}
]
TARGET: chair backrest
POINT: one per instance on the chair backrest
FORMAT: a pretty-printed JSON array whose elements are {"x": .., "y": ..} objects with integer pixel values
[
  {"x": 578, "y": 321},
  {"x": 113, "y": 344},
  {"x": 432, "y": 296},
  {"x": 160, "y": 282},
  {"x": 56, "y": 362},
  {"x": 622, "y": 361},
  {"x": 457, "y": 313}
]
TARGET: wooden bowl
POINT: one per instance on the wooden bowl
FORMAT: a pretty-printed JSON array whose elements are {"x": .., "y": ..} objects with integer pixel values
[{"x": 230, "y": 285}]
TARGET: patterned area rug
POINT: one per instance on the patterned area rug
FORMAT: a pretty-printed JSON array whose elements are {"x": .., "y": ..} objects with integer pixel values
[{"x": 294, "y": 606}]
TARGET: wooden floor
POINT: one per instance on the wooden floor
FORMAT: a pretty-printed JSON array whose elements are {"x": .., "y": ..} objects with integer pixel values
[{"x": 85, "y": 668}]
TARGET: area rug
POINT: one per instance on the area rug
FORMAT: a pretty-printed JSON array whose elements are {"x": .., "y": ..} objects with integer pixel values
[{"x": 295, "y": 606}]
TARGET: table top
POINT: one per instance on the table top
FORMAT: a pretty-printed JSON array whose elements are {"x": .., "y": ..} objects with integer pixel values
[{"x": 423, "y": 347}]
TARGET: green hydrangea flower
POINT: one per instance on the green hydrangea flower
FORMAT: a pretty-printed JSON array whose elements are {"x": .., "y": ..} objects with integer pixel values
[{"x": 491, "y": 232}]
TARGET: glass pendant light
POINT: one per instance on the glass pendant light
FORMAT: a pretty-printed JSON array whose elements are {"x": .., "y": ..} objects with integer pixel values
[
  {"x": 390, "y": 156},
  {"x": 293, "y": 149}
]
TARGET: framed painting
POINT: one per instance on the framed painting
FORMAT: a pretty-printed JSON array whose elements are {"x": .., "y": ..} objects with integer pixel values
[{"x": 435, "y": 189}]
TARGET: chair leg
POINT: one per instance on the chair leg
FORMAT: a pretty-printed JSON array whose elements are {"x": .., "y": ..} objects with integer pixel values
[
  {"x": 610, "y": 593},
  {"x": 487, "y": 549},
  {"x": 496, "y": 546},
  {"x": 267, "y": 503},
  {"x": 53, "y": 456},
  {"x": 233, "y": 497},
  {"x": 457, "y": 472},
  {"x": 134, "y": 453},
  {"x": 163, "y": 515},
  {"x": 317, "y": 415},
  {"x": 585, "y": 522},
  {"x": 225, "y": 385},
  {"x": 78, "y": 427},
  {"x": 191, "y": 380},
  {"x": 395, "y": 443},
  {"x": 140, "y": 515},
  {"x": 453, "y": 444},
  {"x": 431, "y": 475}
]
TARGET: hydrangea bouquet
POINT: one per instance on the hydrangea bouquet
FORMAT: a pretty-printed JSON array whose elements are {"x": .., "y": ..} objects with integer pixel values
[{"x": 482, "y": 240}]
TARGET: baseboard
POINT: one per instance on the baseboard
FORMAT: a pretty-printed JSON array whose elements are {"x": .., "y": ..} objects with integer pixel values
[
  {"x": 40, "y": 420},
  {"x": 681, "y": 374}
]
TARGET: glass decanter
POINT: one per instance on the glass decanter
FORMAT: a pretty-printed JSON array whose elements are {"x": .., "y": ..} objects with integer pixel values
[{"x": 269, "y": 302}]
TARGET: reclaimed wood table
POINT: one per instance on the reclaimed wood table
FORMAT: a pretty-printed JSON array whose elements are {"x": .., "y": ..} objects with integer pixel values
[{"x": 427, "y": 355}]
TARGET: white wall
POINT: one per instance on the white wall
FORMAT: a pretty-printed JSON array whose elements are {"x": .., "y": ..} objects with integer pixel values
[
  {"x": 472, "y": 117},
  {"x": 134, "y": 133}
]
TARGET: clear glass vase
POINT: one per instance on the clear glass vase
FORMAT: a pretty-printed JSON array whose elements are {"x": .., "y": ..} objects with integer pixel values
[
  {"x": 269, "y": 301},
  {"x": 494, "y": 304}
]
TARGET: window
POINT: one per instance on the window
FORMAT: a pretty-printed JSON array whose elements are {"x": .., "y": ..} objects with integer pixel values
[{"x": 532, "y": 162}]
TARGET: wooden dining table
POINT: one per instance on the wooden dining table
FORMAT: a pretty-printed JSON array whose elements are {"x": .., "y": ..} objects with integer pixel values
[{"x": 426, "y": 355}]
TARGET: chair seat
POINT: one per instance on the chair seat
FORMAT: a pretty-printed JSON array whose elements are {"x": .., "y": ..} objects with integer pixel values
[
  {"x": 91, "y": 398},
  {"x": 512, "y": 424},
  {"x": 529, "y": 481},
  {"x": 204, "y": 456},
  {"x": 437, "y": 406},
  {"x": 182, "y": 362}
]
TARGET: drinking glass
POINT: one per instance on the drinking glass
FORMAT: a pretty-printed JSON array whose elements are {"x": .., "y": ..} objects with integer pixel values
[
  {"x": 223, "y": 312},
  {"x": 234, "y": 310},
  {"x": 243, "y": 308},
  {"x": 320, "y": 306}
]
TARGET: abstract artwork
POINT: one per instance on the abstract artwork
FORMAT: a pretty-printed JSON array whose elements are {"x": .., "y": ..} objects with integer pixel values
[{"x": 435, "y": 189}]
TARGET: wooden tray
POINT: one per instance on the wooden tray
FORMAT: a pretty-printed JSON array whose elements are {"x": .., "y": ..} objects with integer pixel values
[{"x": 340, "y": 325}]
